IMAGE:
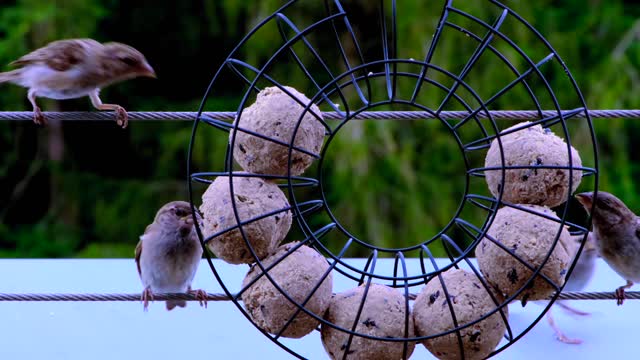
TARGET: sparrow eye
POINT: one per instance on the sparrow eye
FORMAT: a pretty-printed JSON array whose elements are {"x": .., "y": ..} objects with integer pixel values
[
  {"x": 129, "y": 60},
  {"x": 180, "y": 213}
]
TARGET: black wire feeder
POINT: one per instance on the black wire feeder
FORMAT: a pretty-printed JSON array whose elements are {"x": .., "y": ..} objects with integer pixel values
[{"x": 372, "y": 76}]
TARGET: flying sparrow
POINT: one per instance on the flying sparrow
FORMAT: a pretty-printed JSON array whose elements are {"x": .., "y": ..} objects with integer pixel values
[
  {"x": 67, "y": 69},
  {"x": 617, "y": 235},
  {"x": 586, "y": 265},
  {"x": 580, "y": 277},
  {"x": 168, "y": 255}
]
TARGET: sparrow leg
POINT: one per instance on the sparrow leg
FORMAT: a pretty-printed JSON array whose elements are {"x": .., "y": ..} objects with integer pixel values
[
  {"x": 38, "y": 117},
  {"x": 572, "y": 310},
  {"x": 559, "y": 334},
  {"x": 200, "y": 294},
  {"x": 147, "y": 295},
  {"x": 122, "y": 119},
  {"x": 620, "y": 292}
]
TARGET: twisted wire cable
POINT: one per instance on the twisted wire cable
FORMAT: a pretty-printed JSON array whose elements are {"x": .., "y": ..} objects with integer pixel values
[
  {"x": 331, "y": 115},
  {"x": 229, "y": 116},
  {"x": 606, "y": 295}
]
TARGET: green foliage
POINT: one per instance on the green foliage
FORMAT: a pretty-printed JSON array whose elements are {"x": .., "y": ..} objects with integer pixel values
[
  {"x": 402, "y": 181},
  {"x": 46, "y": 239},
  {"x": 106, "y": 250}
]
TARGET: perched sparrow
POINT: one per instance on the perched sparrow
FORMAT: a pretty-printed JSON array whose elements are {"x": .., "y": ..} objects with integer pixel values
[
  {"x": 580, "y": 277},
  {"x": 74, "y": 68},
  {"x": 168, "y": 255},
  {"x": 617, "y": 235}
]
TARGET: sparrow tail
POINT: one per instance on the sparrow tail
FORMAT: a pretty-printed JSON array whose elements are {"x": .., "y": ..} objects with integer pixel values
[
  {"x": 171, "y": 304},
  {"x": 10, "y": 76}
]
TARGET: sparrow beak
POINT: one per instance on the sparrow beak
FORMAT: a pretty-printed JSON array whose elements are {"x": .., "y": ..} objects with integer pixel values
[
  {"x": 586, "y": 199},
  {"x": 147, "y": 70},
  {"x": 188, "y": 219}
]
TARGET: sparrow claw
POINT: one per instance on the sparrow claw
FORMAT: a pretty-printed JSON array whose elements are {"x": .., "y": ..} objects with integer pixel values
[
  {"x": 572, "y": 310},
  {"x": 38, "y": 117},
  {"x": 147, "y": 295},
  {"x": 122, "y": 118},
  {"x": 200, "y": 295},
  {"x": 567, "y": 340},
  {"x": 620, "y": 295},
  {"x": 560, "y": 336}
]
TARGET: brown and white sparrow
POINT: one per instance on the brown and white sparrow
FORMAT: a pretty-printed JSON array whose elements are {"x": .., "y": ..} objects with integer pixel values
[
  {"x": 617, "y": 235},
  {"x": 578, "y": 280},
  {"x": 168, "y": 255},
  {"x": 73, "y": 68}
]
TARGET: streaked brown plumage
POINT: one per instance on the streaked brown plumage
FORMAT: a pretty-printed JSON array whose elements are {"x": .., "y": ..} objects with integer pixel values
[
  {"x": 67, "y": 69},
  {"x": 617, "y": 235},
  {"x": 168, "y": 254}
]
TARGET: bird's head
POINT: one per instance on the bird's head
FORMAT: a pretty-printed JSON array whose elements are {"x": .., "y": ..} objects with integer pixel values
[
  {"x": 606, "y": 209},
  {"x": 178, "y": 215},
  {"x": 124, "y": 62}
]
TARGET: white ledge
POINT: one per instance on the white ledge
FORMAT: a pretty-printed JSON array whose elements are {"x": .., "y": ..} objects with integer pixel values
[{"x": 121, "y": 330}]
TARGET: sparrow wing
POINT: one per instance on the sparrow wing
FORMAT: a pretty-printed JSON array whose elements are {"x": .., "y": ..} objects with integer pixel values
[
  {"x": 138, "y": 253},
  {"x": 59, "y": 55}
]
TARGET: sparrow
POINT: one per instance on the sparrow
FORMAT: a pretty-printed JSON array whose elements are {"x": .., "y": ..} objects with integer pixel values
[
  {"x": 617, "y": 235},
  {"x": 73, "y": 68},
  {"x": 580, "y": 277},
  {"x": 168, "y": 254}
]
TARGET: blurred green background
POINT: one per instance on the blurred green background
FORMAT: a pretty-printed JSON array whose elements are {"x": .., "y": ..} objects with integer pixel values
[{"x": 88, "y": 189}]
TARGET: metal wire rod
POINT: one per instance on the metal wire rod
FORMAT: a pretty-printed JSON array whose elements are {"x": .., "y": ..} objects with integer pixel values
[
  {"x": 105, "y": 297},
  {"x": 331, "y": 115},
  {"x": 631, "y": 295}
]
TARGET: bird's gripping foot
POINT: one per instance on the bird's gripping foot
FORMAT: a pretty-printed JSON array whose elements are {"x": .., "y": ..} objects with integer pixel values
[
  {"x": 122, "y": 118},
  {"x": 200, "y": 295},
  {"x": 620, "y": 292},
  {"x": 571, "y": 309},
  {"x": 38, "y": 117},
  {"x": 147, "y": 296},
  {"x": 559, "y": 334}
]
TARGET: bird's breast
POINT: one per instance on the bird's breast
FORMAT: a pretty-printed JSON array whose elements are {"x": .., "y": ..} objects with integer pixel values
[
  {"x": 624, "y": 260},
  {"x": 54, "y": 84},
  {"x": 63, "y": 94},
  {"x": 169, "y": 265}
]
